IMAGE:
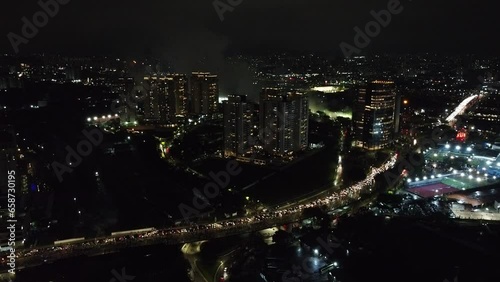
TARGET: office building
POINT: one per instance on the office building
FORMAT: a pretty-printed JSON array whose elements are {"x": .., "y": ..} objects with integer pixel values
[{"x": 374, "y": 115}]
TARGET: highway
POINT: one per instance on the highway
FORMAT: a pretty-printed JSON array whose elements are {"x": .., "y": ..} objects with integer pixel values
[
  {"x": 462, "y": 107},
  {"x": 194, "y": 233}
]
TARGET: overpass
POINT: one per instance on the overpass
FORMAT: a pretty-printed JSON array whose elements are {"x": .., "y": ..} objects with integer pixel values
[
  {"x": 193, "y": 233},
  {"x": 466, "y": 104}
]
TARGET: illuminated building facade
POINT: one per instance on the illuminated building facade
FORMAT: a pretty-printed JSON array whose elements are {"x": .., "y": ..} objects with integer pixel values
[
  {"x": 284, "y": 121},
  {"x": 204, "y": 93},
  {"x": 160, "y": 104},
  {"x": 128, "y": 107},
  {"x": 178, "y": 88},
  {"x": 238, "y": 123},
  {"x": 374, "y": 115}
]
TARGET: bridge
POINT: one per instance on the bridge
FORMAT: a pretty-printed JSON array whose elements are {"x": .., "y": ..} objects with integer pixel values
[
  {"x": 174, "y": 236},
  {"x": 466, "y": 104}
]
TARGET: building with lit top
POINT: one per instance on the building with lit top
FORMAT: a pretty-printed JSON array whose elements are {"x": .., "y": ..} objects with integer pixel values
[{"x": 374, "y": 115}]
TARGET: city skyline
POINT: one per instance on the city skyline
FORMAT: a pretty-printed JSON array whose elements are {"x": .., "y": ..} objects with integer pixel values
[{"x": 249, "y": 141}]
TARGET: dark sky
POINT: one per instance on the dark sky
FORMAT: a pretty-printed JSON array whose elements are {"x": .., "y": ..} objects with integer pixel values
[{"x": 184, "y": 27}]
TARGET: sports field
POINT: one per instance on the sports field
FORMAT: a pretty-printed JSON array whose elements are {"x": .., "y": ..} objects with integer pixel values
[
  {"x": 432, "y": 190},
  {"x": 460, "y": 182}
]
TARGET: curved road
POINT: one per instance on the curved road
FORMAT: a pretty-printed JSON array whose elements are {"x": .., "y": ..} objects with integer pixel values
[{"x": 194, "y": 233}]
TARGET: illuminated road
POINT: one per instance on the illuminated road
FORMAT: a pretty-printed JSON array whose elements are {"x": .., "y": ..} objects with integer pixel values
[
  {"x": 462, "y": 107},
  {"x": 195, "y": 233}
]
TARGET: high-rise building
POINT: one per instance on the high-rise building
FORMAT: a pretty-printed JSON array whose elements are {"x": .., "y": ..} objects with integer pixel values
[
  {"x": 204, "y": 93},
  {"x": 374, "y": 115},
  {"x": 128, "y": 106},
  {"x": 177, "y": 88},
  {"x": 284, "y": 121},
  {"x": 160, "y": 104},
  {"x": 238, "y": 123},
  {"x": 397, "y": 114}
]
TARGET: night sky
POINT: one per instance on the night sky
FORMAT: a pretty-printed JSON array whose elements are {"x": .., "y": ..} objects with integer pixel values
[{"x": 180, "y": 29}]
